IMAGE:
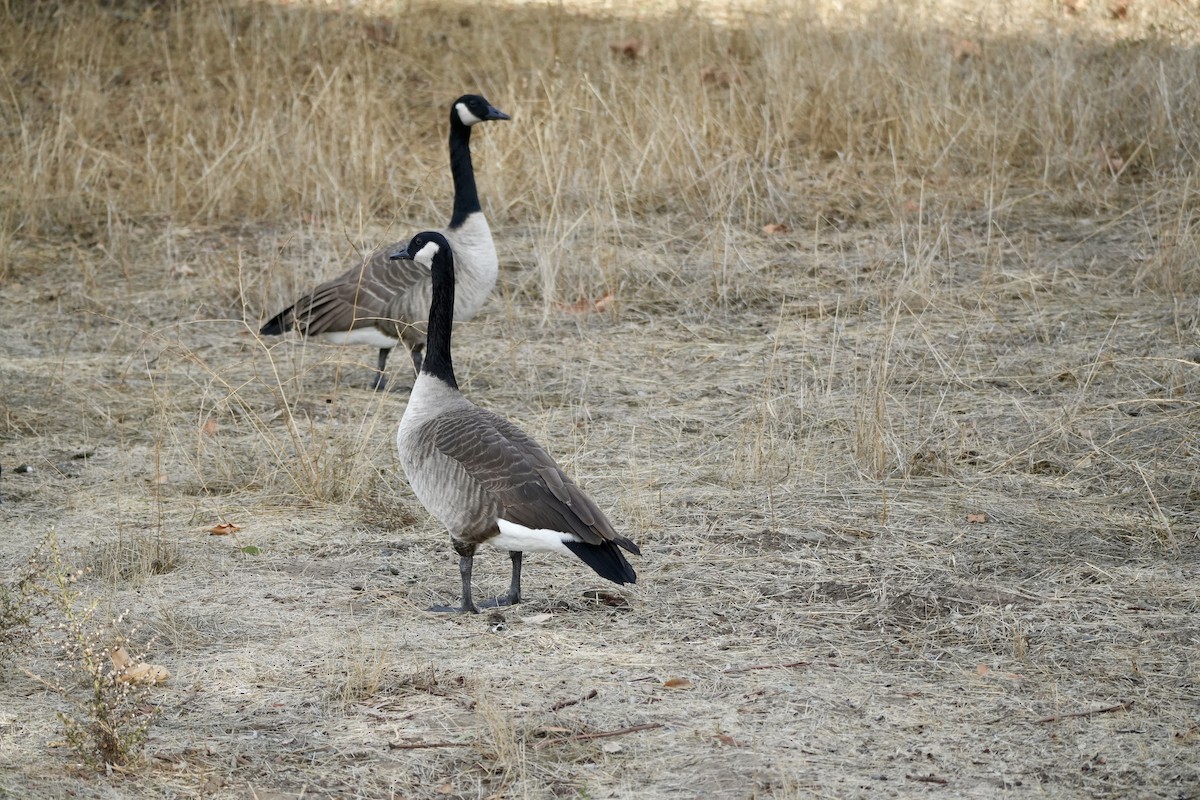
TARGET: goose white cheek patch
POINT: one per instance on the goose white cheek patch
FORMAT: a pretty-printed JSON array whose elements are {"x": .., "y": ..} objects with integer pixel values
[
  {"x": 425, "y": 255},
  {"x": 465, "y": 115}
]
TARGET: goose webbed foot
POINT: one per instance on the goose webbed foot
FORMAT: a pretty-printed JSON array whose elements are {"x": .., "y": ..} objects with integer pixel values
[
  {"x": 468, "y": 604},
  {"x": 465, "y": 608}
]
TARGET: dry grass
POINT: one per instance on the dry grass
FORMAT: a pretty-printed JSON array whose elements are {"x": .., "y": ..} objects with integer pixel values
[{"x": 913, "y": 479}]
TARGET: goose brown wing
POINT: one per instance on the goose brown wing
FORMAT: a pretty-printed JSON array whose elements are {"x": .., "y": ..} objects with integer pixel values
[
  {"x": 517, "y": 477},
  {"x": 356, "y": 298}
]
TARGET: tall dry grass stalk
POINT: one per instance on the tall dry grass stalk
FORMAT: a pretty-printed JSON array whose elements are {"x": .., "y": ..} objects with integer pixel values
[{"x": 210, "y": 112}]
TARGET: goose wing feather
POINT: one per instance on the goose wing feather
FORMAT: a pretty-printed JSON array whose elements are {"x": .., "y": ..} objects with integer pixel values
[
  {"x": 357, "y": 297},
  {"x": 517, "y": 478}
]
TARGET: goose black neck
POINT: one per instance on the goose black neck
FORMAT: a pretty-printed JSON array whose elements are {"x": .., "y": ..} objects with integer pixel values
[
  {"x": 466, "y": 196},
  {"x": 438, "y": 363}
]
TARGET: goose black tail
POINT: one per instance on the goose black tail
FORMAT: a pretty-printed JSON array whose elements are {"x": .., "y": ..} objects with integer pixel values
[
  {"x": 276, "y": 325},
  {"x": 605, "y": 559}
]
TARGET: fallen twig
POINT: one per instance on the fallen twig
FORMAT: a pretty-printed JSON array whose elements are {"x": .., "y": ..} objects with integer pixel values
[
  {"x": 423, "y": 745},
  {"x": 561, "y": 704},
  {"x": 1091, "y": 712},
  {"x": 579, "y": 737},
  {"x": 928, "y": 779},
  {"x": 790, "y": 665}
]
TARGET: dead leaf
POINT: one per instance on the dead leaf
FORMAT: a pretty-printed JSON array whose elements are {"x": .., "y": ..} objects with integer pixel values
[
  {"x": 182, "y": 271},
  {"x": 129, "y": 672},
  {"x": 607, "y": 598},
  {"x": 604, "y": 302},
  {"x": 583, "y": 305},
  {"x": 729, "y": 741},
  {"x": 209, "y": 428},
  {"x": 718, "y": 77},
  {"x": 148, "y": 674},
  {"x": 976, "y": 519},
  {"x": 775, "y": 228},
  {"x": 677, "y": 683},
  {"x": 380, "y": 32},
  {"x": 1120, "y": 9},
  {"x": 963, "y": 49},
  {"x": 537, "y": 619},
  {"x": 1074, "y": 6},
  {"x": 611, "y": 747},
  {"x": 982, "y": 669},
  {"x": 120, "y": 657},
  {"x": 633, "y": 47},
  {"x": 224, "y": 529},
  {"x": 445, "y": 788}
]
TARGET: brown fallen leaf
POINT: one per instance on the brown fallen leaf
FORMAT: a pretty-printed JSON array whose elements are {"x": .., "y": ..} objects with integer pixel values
[
  {"x": 224, "y": 529},
  {"x": 775, "y": 228},
  {"x": 633, "y": 47},
  {"x": 729, "y": 741},
  {"x": 963, "y": 49},
  {"x": 976, "y": 519},
  {"x": 209, "y": 428},
  {"x": 983, "y": 671},
  {"x": 1074, "y": 6},
  {"x": 677, "y": 683},
  {"x": 120, "y": 657},
  {"x": 1120, "y": 9},
  {"x": 604, "y": 302},
  {"x": 129, "y": 672},
  {"x": 607, "y": 598},
  {"x": 718, "y": 77},
  {"x": 148, "y": 674},
  {"x": 583, "y": 305}
]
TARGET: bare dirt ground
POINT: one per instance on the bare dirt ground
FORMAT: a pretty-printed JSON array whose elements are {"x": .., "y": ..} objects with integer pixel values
[
  {"x": 841, "y": 635},
  {"x": 915, "y": 486}
]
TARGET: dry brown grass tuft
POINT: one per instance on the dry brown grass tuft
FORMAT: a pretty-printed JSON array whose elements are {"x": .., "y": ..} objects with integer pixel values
[{"x": 874, "y": 324}]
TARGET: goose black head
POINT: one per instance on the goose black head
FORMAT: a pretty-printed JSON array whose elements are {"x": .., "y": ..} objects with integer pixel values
[
  {"x": 422, "y": 248},
  {"x": 472, "y": 108}
]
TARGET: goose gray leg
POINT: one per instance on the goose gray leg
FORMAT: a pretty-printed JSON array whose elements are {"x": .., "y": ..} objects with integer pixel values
[
  {"x": 380, "y": 381},
  {"x": 464, "y": 569},
  {"x": 514, "y": 588},
  {"x": 418, "y": 355}
]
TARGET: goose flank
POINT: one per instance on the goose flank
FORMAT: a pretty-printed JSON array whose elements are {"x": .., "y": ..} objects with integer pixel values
[
  {"x": 381, "y": 302},
  {"x": 484, "y": 478}
]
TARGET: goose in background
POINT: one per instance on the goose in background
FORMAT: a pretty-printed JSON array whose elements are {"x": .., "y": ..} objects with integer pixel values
[
  {"x": 484, "y": 478},
  {"x": 379, "y": 302}
]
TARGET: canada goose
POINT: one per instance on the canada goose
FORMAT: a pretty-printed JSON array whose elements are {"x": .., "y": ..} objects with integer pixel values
[
  {"x": 377, "y": 302},
  {"x": 484, "y": 478}
]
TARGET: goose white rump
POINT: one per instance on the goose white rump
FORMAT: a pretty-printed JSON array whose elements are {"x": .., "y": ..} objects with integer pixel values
[{"x": 514, "y": 537}]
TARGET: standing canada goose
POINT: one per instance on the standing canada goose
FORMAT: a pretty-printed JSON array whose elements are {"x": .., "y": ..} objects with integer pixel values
[
  {"x": 484, "y": 478},
  {"x": 378, "y": 302}
]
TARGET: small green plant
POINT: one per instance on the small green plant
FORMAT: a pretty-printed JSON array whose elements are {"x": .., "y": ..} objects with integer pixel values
[{"x": 109, "y": 710}]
